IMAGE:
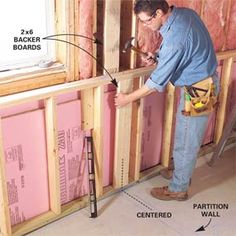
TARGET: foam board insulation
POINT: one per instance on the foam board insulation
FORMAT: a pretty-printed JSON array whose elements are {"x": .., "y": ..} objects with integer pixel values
[
  {"x": 19, "y": 109},
  {"x": 26, "y": 165},
  {"x": 109, "y": 137},
  {"x": 72, "y": 159},
  {"x": 63, "y": 98},
  {"x": 153, "y": 119}
]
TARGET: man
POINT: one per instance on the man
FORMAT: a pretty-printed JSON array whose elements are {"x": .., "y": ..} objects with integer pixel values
[{"x": 186, "y": 56}]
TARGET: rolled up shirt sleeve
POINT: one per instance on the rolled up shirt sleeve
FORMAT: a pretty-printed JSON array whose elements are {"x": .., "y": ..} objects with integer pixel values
[{"x": 169, "y": 59}]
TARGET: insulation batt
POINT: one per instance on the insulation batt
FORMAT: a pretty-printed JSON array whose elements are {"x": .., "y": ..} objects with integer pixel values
[
  {"x": 214, "y": 17},
  {"x": 231, "y": 41},
  {"x": 193, "y": 4},
  {"x": 86, "y": 29},
  {"x": 148, "y": 40}
]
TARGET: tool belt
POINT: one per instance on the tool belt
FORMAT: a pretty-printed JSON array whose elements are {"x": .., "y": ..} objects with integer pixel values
[{"x": 199, "y": 98}]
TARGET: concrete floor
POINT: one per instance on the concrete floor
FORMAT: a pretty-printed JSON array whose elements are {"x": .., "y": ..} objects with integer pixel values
[{"x": 118, "y": 213}]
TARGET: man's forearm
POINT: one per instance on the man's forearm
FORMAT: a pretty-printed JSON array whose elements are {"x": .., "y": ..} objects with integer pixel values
[
  {"x": 123, "y": 99},
  {"x": 140, "y": 93}
]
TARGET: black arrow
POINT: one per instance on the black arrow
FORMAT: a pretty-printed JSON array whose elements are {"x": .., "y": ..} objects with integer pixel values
[
  {"x": 202, "y": 228},
  {"x": 96, "y": 41},
  {"x": 113, "y": 80}
]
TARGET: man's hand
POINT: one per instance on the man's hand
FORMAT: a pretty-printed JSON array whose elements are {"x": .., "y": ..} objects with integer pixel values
[
  {"x": 149, "y": 59},
  {"x": 121, "y": 99}
]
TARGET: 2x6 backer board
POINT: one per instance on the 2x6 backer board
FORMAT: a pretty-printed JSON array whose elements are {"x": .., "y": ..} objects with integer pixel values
[
  {"x": 26, "y": 165},
  {"x": 73, "y": 165}
]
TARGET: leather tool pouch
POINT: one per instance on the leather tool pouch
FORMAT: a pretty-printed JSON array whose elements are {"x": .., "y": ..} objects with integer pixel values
[{"x": 200, "y": 98}]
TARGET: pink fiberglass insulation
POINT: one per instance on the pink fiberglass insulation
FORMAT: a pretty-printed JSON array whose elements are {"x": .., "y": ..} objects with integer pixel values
[
  {"x": 26, "y": 165},
  {"x": 231, "y": 34},
  {"x": 152, "y": 130},
  {"x": 73, "y": 165},
  {"x": 86, "y": 29},
  {"x": 148, "y": 40},
  {"x": 214, "y": 17},
  {"x": 193, "y": 4},
  {"x": 109, "y": 137},
  {"x": 177, "y": 3}
]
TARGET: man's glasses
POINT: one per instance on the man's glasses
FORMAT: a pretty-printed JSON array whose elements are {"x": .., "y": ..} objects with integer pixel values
[{"x": 148, "y": 21}]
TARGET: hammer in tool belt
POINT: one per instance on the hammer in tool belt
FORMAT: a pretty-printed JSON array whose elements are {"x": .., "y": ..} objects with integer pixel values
[{"x": 129, "y": 45}]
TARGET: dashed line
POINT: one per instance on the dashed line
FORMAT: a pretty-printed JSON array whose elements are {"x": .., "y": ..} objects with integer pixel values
[
  {"x": 122, "y": 172},
  {"x": 128, "y": 194},
  {"x": 138, "y": 200}
]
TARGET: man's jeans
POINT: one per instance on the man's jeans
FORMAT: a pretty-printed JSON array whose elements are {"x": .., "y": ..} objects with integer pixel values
[{"x": 189, "y": 134}]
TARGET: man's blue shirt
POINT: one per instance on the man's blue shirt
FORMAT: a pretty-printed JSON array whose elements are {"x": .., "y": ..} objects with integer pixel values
[{"x": 186, "y": 55}]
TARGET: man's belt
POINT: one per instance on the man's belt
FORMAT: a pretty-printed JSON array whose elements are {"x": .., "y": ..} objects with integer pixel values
[{"x": 200, "y": 98}]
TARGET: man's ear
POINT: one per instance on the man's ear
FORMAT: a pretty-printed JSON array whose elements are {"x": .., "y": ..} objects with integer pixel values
[{"x": 159, "y": 13}]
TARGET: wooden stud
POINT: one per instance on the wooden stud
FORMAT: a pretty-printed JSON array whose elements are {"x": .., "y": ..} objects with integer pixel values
[
  {"x": 111, "y": 55},
  {"x": 98, "y": 131},
  {"x": 98, "y": 110},
  {"x": 202, "y": 9},
  {"x": 168, "y": 125},
  {"x": 136, "y": 134},
  {"x": 52, "y": 153},
  {"x": 61, "y": 28},
  {"x": 122, "y": 139},
  {"x": 137, "y": 113},
  {"x": 226, "y": 28},
  {"x": 5, "y": 223},
  {"x": 87, "y": 109},
  {"x": 125, "y": 33},
  {"x": 112, "y": 28},
  {"x": 225, "y": 81}
]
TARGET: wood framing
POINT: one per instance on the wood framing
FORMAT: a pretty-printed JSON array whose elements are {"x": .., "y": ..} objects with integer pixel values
[
  {"x": 29, "y": 82},
  {"x": 168, "y": 125},
  {"x": 5, "y": 223},
  {"x": 112, "y": 35},
  {"x": 225, "y": 81},
  {"x": 123, "y": 138},
  {"x": 111, "y": 60},
  {"x": 137, "y": 112},
  {"x": 52, "y": 155},
  {"x": 61, "y": 28},
  {"x": 98, "y": 135},
  {"x": 87, "y": 105},
  {"x": 136, "y": 134},
  {"x": 123, "y": 166}
]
